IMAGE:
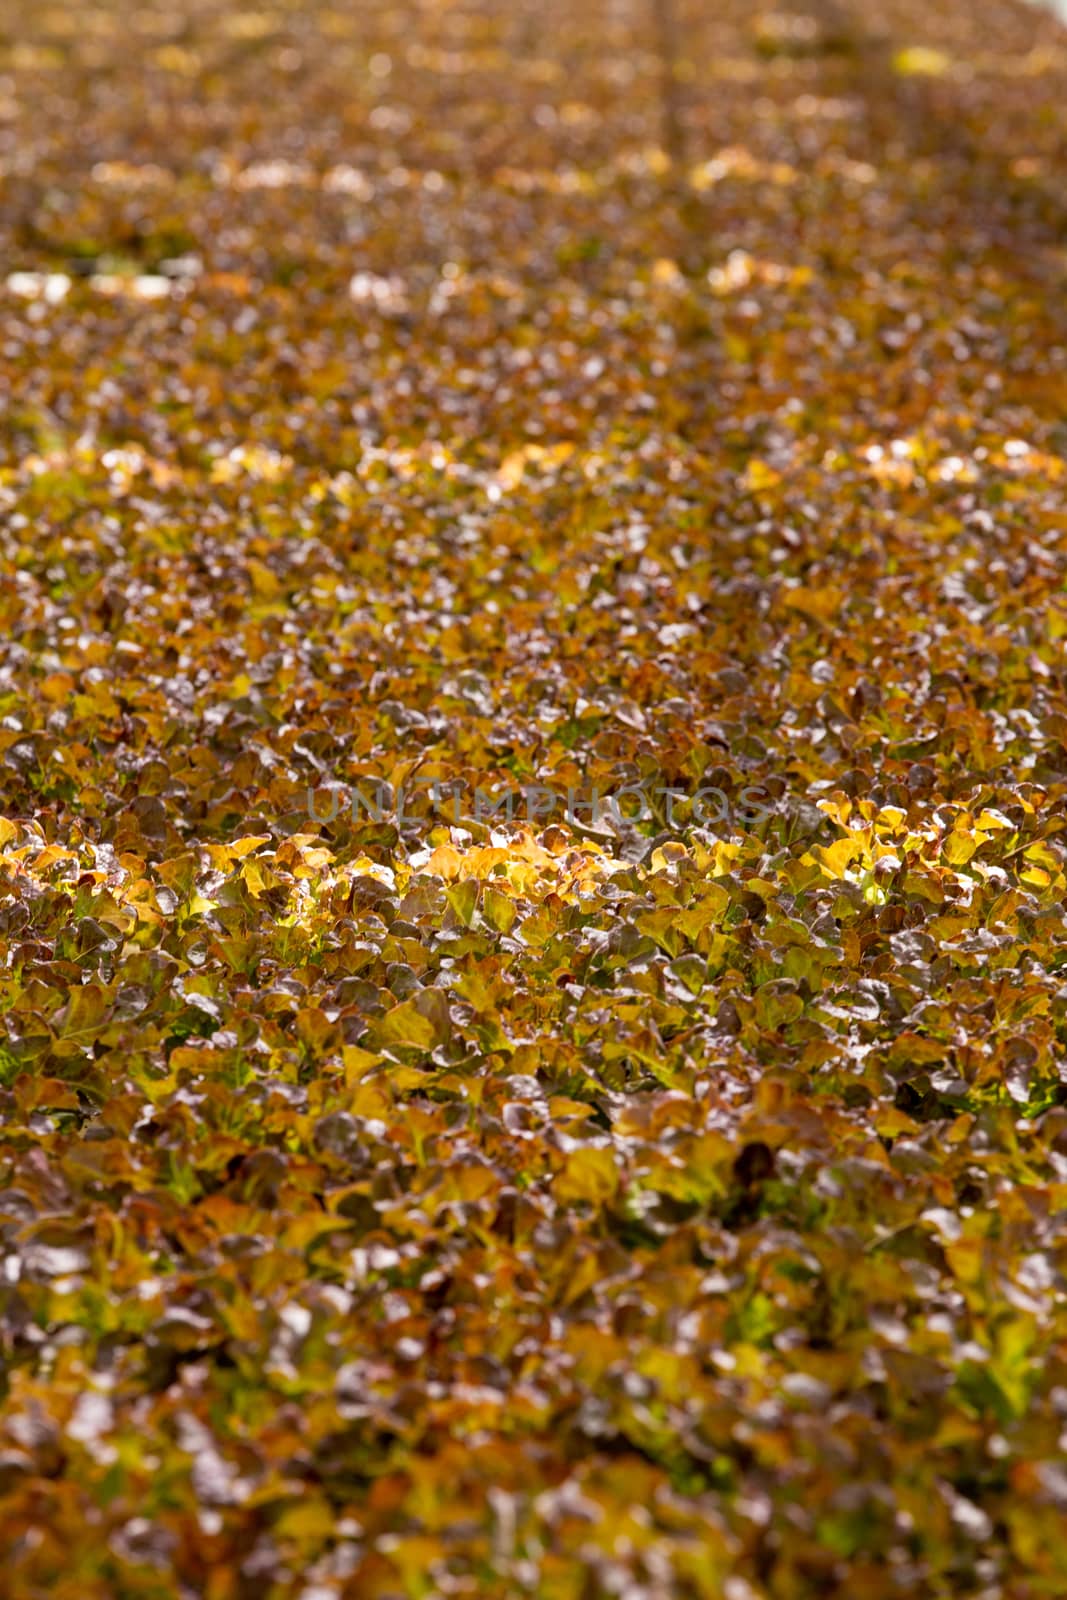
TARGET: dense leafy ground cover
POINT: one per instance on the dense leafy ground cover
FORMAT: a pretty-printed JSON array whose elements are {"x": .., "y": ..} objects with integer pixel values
[{"x": 406, "y": 1207}]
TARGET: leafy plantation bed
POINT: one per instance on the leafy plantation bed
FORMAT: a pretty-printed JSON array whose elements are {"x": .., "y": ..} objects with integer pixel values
[{"x": 399, "y": 1204}]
